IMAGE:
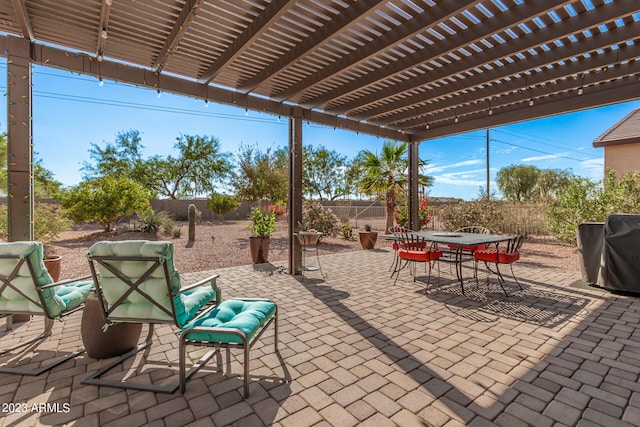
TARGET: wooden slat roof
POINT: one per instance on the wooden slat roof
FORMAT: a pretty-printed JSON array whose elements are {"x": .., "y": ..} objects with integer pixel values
[{"x": 404, "y": 69}]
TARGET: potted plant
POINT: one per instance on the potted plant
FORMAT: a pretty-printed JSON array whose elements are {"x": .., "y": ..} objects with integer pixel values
[
  {"x": 50, "y": 220},
  {"x": 368, "y": 238},
  {"x": 263, "y": 224}
]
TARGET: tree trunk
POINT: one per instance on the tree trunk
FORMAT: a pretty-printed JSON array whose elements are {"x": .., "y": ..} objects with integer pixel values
[{"x": 390, "y": 205}]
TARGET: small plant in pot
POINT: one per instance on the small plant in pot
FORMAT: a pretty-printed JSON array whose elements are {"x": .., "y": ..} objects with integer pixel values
[
  {"x": 263, "y": 224},
  {"x": 368, "y": 238},
  {"x": 49, "y": 221}
]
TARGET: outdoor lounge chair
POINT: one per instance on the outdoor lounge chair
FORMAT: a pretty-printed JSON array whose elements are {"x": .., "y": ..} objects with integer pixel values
[
  {"x": 27, "y": 288},
  {"x": 136, "y": 281}
]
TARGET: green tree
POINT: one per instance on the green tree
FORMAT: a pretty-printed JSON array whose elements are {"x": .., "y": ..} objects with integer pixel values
[
  {"x": 45, "y": 186},
  {"x": 551, "y": 183},
  {"x": 196, "y": 168},
  {"x": 221, "y": 204},
  {"x": 122, "y": 157},
  {"x": 385, "y": 175},
  {"x": 327, "y": 174},
  {"x": 261, "y": 175},
  {"x": 587, "y": 201},
  {"x": 105, "y": 200},
  {"x": 518, "y": 182}
]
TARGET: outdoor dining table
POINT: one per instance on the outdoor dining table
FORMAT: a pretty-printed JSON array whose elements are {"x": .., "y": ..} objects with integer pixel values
[{"x": 459, "y": 240}]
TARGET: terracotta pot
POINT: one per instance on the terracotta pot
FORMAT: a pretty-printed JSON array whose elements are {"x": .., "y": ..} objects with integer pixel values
[
  {"x": 53, "y": 264},
  {"x": 259, "y": 246},
  {"x": 368, "y": 239},
  {"x": 115, "y": 341},
  {"x": 308, "y": 238}
]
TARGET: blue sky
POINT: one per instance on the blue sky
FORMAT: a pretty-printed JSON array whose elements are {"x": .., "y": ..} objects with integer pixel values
[{"x": 71, "y": 111}]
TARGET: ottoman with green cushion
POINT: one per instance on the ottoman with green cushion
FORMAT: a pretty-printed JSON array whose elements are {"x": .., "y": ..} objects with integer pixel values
[{"x": 235, "y": 323}]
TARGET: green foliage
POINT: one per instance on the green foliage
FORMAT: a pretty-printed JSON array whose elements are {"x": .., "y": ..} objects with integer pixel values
[
  {"x": 194, "y": 170},
  {"x": 327, "y": 175},
  {"x": 367, "y": 227},
  {"x": 586, "y": 201},
  {"x": 105, "y": 200},
  {"x": 263, "y": 223},
  {"x": 261, "y": 176},
  {"x": 484, "y": 212},
  {"x": 220, "y": 204},
  {"x": 551, "y": 184},
  {"x": 152, "y": 222},
  {"x": 316, "y": 217},
  {"x": 401, "y": 216},
  {"x": 517, "y": 182},
  {"x": 347, "y": 231},
  {"x": 44, "y": 184},
  {"x": 49, "y": 221},
  {"x": 385, "y": 175}
]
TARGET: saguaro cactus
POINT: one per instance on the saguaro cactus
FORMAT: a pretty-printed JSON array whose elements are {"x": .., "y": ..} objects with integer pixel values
[{"x": 192, "y": 222}]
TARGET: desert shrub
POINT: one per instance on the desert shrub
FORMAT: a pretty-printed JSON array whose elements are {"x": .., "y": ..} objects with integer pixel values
[
  {"x": 152, "y": 222},
  {"x": 220, "y": 204},
  {"x": 401, "y": 215},
  {"x": 316, "y": 217},
  {"x": 105, "y": 200},
  {"x": 176, "y": 232},
  {"x": 347, "y": 231},
  {"x": 587, "y": 201},
  {"x": 484, "y": 212},
  {"x": 49, "y": 221}
]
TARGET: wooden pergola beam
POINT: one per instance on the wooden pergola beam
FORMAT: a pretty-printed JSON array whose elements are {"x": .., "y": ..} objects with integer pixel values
[
  {"x": 20, "y": 9},
  {"x": 330, "y": 29},
  {"x": 606, "y": 13},
  {"x": 103, "y": 28},
  {"x": 179, "y": 28},
  {"x": 417, "y": 25},
  {"x": 269, "y": 15}
]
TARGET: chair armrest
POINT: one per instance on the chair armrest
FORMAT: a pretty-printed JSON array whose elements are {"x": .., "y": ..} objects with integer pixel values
[
  {"x": 197, "y": 284},
  {"x": 66, "y": 281}
]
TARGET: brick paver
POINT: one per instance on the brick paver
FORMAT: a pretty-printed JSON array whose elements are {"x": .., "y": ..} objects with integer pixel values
[{"x": 358, "y": 350}]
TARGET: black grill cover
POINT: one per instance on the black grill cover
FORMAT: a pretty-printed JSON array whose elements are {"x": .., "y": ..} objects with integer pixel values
[{"x": 621, "y": 253}]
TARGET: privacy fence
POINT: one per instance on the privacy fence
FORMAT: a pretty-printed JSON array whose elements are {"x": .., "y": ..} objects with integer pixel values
[{"x": 529, "y": 219}]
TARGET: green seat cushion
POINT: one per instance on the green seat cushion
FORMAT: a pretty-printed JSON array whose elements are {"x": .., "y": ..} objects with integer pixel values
[
  {"x": 245, "y": 315},
  {"x": 58, "y": 300},
  {"x": 136, "y": 305}
]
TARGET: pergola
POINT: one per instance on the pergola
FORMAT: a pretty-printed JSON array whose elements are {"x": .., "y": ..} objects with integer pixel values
[{"x": 407, "y": 70}]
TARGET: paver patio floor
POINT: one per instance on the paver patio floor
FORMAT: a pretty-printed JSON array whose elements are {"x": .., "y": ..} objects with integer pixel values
[{"x": 356, "y": 350}]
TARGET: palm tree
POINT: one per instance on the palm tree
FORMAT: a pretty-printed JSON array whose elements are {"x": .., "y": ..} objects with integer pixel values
[{"x": 386, "y": 175}]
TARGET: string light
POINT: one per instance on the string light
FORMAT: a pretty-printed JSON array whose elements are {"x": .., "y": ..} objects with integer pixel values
[
  {"x": 159, "y": 93},
  {"x": 100, "y": 82}
]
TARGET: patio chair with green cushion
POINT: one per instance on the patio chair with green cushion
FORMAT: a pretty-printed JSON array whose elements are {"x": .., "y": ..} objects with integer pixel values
[
  {"x": 27, "y": 288},
  {"x": 136, "y": 281}
]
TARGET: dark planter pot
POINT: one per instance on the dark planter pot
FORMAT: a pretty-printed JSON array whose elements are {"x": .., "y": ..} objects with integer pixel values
[
  {"x": 368, "y": 239},
  {"x": 259, "y": 246},
  {"x": 115, "y": 341},
  {"x": 53, "y": 264}
]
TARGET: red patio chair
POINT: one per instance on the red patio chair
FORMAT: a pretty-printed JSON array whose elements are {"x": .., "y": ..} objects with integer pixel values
[
  {"x": 415, "y": 249},
  {"x": 508, "y": 254}
]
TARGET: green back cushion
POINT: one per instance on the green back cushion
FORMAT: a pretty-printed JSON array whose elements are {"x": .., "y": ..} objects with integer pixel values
[
  {"x": 246, "y": 315},
  {"x": 58, "y": 300},
  {"x": 136, "y": 305}
]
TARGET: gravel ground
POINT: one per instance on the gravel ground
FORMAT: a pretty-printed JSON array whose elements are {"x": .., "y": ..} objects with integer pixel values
[{"x": 219, "y": 245}]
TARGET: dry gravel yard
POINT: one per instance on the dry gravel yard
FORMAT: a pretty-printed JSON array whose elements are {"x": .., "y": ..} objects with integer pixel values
[{"x": 219, "y": 245}]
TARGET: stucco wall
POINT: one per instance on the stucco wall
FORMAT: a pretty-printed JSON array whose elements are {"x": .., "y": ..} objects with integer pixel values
[{"x": 622, "y": 158}]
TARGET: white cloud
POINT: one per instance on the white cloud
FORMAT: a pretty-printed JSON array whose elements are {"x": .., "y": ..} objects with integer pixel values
[
  {"x": 466, "y": 178},
  {"x": 435, "y": 168},
  {"x": 592, "y": 169},
  {"x": 545, "y": 157}
]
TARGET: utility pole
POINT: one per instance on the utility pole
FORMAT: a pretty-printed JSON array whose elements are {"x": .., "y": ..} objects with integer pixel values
[{"x": 488, "y": 174}]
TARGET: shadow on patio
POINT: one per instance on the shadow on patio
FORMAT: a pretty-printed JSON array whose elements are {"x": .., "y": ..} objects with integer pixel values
[{"x": 361, "y": 351}]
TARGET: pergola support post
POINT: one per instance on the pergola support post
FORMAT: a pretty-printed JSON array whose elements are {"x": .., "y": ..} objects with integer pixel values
[
  {"x": 414, "y": 171},
  {"x": 295, "y": 189},
  {"x": 20, "y": 201}
]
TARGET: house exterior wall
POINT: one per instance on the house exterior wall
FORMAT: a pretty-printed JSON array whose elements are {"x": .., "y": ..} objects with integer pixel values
[{"x": 622, "y": 158}]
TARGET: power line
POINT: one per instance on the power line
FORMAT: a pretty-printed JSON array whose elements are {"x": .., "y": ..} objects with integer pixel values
[
  {"x": 558, "y": 143},
  {"x": 538, "y": 151}
]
